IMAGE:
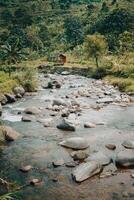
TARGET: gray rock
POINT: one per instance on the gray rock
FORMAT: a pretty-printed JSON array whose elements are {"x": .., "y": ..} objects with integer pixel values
[
  {"x": 100, "y": 158},
  {"x": 26, "y": 168},
  {"x": 26, "y": 119},
  {"x": 71, "y": 164},
  {"x": 58, "y": 163},
  {"x": 125, "y": 158},
  {"x": 60, "y": 102},
  {"x": 86, "y": 170},
  {"x": 79, "y": 155},
  {"x": 105, "y": 100},
  {"x": 77, "y": 143},
  {"x": 110, "y": 146},
  {"x": 9, "y": 133},
  {"x": 19, "y": 90},
  {"x": 65, "y": 73},
  {"x": 3, "y": 99},
  {"x": 89, "y": 125},
  {"x": 32, "y": 111},
  {"x": 66, "y": 125},
  {"x": 128, "y": 144}
]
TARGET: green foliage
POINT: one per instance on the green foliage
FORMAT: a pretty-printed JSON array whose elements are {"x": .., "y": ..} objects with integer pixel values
[
  {"x": 113, "y": 24},
  {"x": 95, "y": 46},
  {"x": 7, "y": 196},
  {"x": 73, "y": 30},
  {"x": 126, "y": 41},
  {"x": 27, "y": 78}
]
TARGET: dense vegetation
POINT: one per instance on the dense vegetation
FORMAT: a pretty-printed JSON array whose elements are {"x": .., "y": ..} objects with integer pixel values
[{"x": 90, "y": 32}]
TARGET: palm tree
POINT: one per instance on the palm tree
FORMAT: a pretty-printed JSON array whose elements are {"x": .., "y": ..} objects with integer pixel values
[{"x": 10, "y": 55}]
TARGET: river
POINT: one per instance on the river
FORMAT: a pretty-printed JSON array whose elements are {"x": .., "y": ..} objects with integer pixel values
[{"x": 39, "y": 145}]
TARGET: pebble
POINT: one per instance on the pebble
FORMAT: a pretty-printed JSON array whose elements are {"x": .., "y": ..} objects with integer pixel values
[
  {"x": 26, "y": 168},
  {"x": 58, "y": 163},
  {"x": 35, "y": 182}
]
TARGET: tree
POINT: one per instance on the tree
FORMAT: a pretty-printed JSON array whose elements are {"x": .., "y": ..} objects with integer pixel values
[
  {"x": 10, "y": 54},
  {"x": 126, "y": 41},
  {"x": 65, "y": 4},
  {"x": 95, "y": 46},
  {"x": 22, "y": 17},
  {"x": 73, "y": 30}
]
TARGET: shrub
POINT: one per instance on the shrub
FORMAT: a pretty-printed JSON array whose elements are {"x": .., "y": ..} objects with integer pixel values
[{"x": 27, "y": 78}]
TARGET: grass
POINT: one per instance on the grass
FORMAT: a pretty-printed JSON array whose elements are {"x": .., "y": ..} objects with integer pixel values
[{"x": 119, "y": 70}]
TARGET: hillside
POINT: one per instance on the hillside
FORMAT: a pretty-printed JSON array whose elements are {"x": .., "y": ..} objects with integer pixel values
[{"x": 46, "y": 28}]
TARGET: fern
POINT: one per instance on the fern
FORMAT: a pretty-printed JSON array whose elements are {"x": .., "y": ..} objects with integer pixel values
[{"x": 7, "y": 196}]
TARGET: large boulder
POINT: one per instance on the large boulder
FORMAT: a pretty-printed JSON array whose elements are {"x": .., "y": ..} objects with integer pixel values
[
  {"x": 19, "y": 90},
  {"x": 32, "y": 111},
  {"x": 66, "y": 125},
  {"x": 77, "y": 143},
  {"x": 125, "y": 158},
  {"x": 86, "y": 170},
  {"x": 8, "y": 133},
  {"x": 10, "y": 98}
]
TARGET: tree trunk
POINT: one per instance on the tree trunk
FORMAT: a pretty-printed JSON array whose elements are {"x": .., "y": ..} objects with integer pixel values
[{"x": 97, "y": 63}]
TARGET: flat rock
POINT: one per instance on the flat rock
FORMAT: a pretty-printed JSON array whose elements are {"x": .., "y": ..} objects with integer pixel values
[
  {"x": 77, "y": 143},
  {"x": 89, "y": 125},
  {"x": 71, "y": 164},
  {"x": 9, "y": 133},
  {"x": 60, "y": 102},
  {"x": 105, "y": 100},
  {"x": 65, "y": 73},
  {"x": 26, "y": 168},
  {"x": 58, "y": 163},
  {"x": 125, "y": 158},
  {"x": 100, "y": 158},
  {"x": 128, "y": 144},
  {"x": 26, "y": 119},
  {"x": 35, "y": 182},
  {"x": 32, "y": 111},
  {"x": 86, "y": 170},
  {"x": 110, "y": 146}
]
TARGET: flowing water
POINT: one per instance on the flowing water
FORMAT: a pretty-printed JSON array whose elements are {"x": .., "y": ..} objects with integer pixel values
[{"x": 39, "y": 147}]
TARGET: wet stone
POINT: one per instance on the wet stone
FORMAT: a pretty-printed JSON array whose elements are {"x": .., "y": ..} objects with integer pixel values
[
  {"x": 77, "y": 143},
  {"x": 36, "y": 182},
  {"x": 86, "y": 170},
  {"x": 58, "y": 163},
  {"x": 26, "y": 168},
  {"x": 128, "y": 144},
  {"x": 89, "y": 125},
  {"x": 125, "y": 158},
  {"x": 110, "y": 146},
  {"x": 26, "y": 119},
  {"x": 71, "y": 164},
  {"x": 79, "y": 155}
]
